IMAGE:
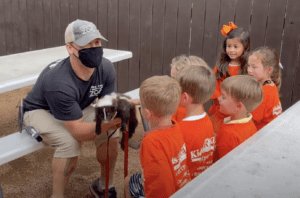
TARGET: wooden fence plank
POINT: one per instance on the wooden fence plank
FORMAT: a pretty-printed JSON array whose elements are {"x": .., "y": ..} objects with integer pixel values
[
  {"x": 227, "y": 13},
  {"x": 47, "y": 24},
  {"x": 198, "y": 14},
  {"x": 123, "y": 38},
  {"x": 183, "y": 27},
  {"x": 134, "y": 44},
  {"x": 275, "y": 24},
  {"x": 258, "y": 23},
  {"x": 112, "y": 29},
  {"x": 146, "y": 38},
  {"x": 39, "y": 24},
  {"x": 73, "y": 10},
  {"x": 83, "y": 9},
  {"x": 8, "y": 27},
  {"x": 16, "y": 26},
  {"x": 157, "y": 47},
  {"x": 211, "y": 32},
  {"x": 290, "y": 51},
  {"x": 92, "y": 11},
  {"x": 102, "y": 20},
  {"x": 170, "y": 34},
  {"x": 243, "y": 13},
  {"x": 23, "y": 26},
  {"x": 64, "y": 19},
  {"x": 56, "y": 28},
  {"x": 2, "y": 30}
]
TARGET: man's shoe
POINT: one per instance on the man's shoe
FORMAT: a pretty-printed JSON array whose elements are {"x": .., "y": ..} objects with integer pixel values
[{"x": 99, "y": 192}]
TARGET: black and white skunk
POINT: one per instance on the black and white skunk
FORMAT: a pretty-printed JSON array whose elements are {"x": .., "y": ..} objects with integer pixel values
[{"x": 116, "y": 106}]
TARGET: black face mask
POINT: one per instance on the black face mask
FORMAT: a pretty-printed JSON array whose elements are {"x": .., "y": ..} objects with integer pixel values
[{"x": 90, "y": 57}]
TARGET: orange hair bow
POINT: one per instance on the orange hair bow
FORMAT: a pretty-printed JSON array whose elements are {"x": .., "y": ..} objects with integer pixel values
[{"x": 226, "y": 29}]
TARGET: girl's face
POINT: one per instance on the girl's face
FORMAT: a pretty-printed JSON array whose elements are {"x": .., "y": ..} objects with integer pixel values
[
  {"x": 256, "y": 69},
  {"x": 234, "y": 49},
  {"x": 227, "y": 104}
]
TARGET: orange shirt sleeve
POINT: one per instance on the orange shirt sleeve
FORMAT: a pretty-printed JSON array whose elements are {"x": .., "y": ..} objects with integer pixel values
[{"x": 158, "y": 178}]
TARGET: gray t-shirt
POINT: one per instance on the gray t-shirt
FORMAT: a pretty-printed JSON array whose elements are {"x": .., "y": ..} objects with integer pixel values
[{"x": 61, "y": 91}]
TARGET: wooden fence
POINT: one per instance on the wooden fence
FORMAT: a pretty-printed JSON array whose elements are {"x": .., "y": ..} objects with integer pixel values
[{"x": 157, "y": 30}]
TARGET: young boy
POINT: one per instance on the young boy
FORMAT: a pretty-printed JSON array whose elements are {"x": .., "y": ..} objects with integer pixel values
[
  {"x": 163, "y": 150},
  {"x": 239, "y": 96},
  {"x": 198, "y": 83},
  {"x": 177, "y": 64}
]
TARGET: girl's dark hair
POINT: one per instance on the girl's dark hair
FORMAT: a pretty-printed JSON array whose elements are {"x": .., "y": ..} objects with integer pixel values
[
  {"x": 269, "y": 58},
  {"x": 224, "y": 59}
]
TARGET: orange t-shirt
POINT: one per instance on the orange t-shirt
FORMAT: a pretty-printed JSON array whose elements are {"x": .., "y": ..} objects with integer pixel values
[
  {"x": 269, "y": 109},
  {"x": 199, "y": 137},
  {"x": 179, "y": 114},
  {"x": 163, "y": 161},
  {"x": 232, "y": 134}
]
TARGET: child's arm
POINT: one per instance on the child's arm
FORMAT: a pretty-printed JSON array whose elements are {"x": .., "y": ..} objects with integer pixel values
[{"x": 158, "y": 178}]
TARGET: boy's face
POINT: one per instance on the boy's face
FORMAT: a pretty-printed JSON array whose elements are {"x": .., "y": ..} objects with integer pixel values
[{"x": 227, "y": 104}]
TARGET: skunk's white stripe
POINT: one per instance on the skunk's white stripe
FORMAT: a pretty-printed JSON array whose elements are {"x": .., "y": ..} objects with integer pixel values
[{"x": 106, "y": 100}]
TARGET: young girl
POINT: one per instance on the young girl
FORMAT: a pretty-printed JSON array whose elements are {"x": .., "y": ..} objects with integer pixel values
[
  {"x": 263, "y": 64},
  {"x": 232, "y": 61}
]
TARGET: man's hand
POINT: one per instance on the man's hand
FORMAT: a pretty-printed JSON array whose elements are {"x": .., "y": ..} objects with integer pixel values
[{"x": 111, "y": 125}]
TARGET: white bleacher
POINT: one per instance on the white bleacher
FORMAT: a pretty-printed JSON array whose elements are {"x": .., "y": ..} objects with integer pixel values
[
  {"x": 20, "y": 70},
  {"x": 265, "y": 165}
]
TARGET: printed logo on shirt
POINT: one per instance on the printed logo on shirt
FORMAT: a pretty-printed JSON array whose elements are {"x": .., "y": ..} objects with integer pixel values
[
  {"x": 209, "y": 145},
  {"x": 180, "y": 157},
  {"x": 95, "y": 90},
  {"x": 277, "y": 110}
]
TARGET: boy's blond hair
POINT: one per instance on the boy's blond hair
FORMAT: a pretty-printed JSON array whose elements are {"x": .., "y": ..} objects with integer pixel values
[
  {"x": 197, "y": 81},
  {"x": 181, "y": 61},
  {"x": 161, "y": 95},
  {"x": 244, "y": 89}
]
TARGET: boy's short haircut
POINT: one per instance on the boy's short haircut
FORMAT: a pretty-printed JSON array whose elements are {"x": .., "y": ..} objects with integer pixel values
[
  {"x": 181, "y": 61},
  {"x": 161, "y": 95},
  {"x": 197, "y": 81},
  {"x": 244, "y": 89}
]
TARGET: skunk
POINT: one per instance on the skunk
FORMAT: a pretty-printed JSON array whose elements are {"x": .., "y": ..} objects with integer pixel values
[{"x": 116, "y": 105}]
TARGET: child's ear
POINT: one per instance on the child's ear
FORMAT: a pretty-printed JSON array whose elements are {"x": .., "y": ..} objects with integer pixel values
[
  {"x": 240, "y": 106},
  {"x": 270, "y": 70},
  {"x": 183, "y": 99}
]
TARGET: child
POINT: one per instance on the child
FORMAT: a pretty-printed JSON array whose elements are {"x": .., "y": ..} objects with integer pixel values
[
  {"x": 232, "y": 61},
  {"x": 178, "y": 63},
  {"x": 163, "y": 151},
  {"x": 198, "y": 83},
  {"x": 264, "y": 66},
  {"x": 239, "y": 96}
]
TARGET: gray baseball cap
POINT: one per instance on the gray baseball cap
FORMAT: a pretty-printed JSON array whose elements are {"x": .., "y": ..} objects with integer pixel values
[{"x": 82, "y": 32}]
